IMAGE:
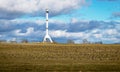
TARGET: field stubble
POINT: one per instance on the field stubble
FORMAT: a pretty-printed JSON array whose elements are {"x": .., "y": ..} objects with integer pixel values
[{"x": 59, "y": 57}]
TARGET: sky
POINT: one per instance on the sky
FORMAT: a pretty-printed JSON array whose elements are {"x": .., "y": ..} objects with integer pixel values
[{"x": 94, "y": 20}]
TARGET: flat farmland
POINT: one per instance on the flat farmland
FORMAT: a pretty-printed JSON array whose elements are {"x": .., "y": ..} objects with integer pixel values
[{"x": 39, "y": 57}]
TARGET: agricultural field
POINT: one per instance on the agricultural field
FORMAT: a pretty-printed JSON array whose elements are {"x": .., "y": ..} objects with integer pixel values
[{"x": 39, "y": 57}]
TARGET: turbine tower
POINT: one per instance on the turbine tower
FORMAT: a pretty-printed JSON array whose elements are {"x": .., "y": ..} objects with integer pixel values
[{"x": 47, "y": 38}]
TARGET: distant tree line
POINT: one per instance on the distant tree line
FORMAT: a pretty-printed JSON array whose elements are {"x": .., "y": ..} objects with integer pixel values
[
  {"x": 85, "y": 41},
  {"x": 70, "y": 41}
]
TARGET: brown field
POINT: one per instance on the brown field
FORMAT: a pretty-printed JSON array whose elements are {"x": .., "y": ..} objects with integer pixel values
[{"x": 38, "y": 57}]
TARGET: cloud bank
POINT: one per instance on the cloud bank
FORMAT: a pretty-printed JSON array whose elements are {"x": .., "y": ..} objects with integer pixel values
[
  {"x": 10, "y": 9},
  {"x": 105, "y": 31},
  {"x": 116, "y": 14}
]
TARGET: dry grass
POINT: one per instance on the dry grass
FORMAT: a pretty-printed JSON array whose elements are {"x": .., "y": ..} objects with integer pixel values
[{"x": 59, "y": 57}]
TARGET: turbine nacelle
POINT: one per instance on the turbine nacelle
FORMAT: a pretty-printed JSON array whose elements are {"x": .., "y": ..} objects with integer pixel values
[{"x": 47, "y": 11}]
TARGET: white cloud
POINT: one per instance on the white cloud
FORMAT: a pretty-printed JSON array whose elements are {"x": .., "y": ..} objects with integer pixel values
[
  {"x": 28, "y": 20},
  {"x": 36, "y": 21},
  {"x": 111, "y": 31},
  {"x": 40, "y": 22},
  {"x": 98, "y": 35},
  {"x": 29, "y": 6},
  {"x": 0, "y": 35},
  {"x": 60, "y": 33},
  {"x": 74, "y": 20},
  {"x": 117, "y": 26},
  {"x": 59, "y": 5},
  {"x": 13, "y": 39},
  {"x": 55, "y": 21},
  {"x": 111, "y": 40},
  {"x": 30, "y": 30},
  {"x": 78, "y": 41},
  {"x": 76, "y": 35},
  {"x": 18, "y": 5},
  {"x": 95, "y": 31}
]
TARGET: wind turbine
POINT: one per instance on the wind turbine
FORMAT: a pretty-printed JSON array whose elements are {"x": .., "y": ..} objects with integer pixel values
[{"x": 47, "y": 37}]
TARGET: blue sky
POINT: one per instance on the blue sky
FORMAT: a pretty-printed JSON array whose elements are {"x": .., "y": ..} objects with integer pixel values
[{"x": 94, "y": 20}]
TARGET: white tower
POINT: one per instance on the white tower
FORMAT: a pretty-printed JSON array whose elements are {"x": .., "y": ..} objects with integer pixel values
[{"x": 47, "y": 38}]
